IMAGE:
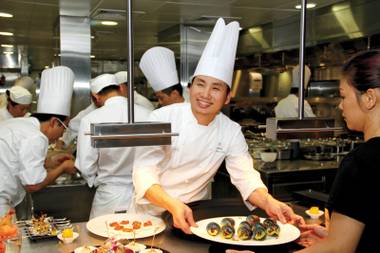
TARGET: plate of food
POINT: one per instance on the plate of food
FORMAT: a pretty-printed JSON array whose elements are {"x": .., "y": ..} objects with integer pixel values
[
  {"x": 246, "y": 230},
  {"x": 126, "y": 226}
]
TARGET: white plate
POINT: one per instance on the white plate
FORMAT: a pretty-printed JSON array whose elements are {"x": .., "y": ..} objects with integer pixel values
[
  {"x": 288, "y": 233},
  {"x": 84, "y": 249},
  {"x": 101, "y": 226}
]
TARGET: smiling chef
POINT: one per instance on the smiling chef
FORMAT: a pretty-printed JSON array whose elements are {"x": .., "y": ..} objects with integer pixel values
[
  {"x": 24, "y": 141},
  {"x": 168, "y": 177}
]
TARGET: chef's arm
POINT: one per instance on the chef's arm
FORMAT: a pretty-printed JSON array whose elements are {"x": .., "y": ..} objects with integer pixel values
[
  {"x": 182, "y": 214},
  {"x": 274, "y": 208},
  {"x": 66, "y": 166}
]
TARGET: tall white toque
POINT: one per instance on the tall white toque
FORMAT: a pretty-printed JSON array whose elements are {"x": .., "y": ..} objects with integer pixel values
[
  {"x": 158, "y": 66},
  {"x": 218, "y": 57},
  {"x": 56, "y": 91}
]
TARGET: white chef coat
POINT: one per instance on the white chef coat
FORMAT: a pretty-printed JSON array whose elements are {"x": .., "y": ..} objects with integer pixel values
[
  {"x": 23, "y": 150},
  {"x": 70, "y": 134},
  {"x": 288, "y": 108},
  {"x": 143, "y": 101},
  {"x": 108, "y": 169},
  {"x": 185, "y": 168},
  {"x": 4, "y": 114}
]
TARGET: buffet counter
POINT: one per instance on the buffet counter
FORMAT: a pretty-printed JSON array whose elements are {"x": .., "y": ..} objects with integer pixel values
[{"x": 171, "y": 240}]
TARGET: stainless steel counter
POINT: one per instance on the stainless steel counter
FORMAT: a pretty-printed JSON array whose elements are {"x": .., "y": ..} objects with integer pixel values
[
  {"x": 170, "y": 239},
  {"x": 165, "y": 240}
]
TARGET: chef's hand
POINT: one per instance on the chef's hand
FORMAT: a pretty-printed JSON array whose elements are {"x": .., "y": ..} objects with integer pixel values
[
  {"x": 182, "y": 216},
  {"x": 282, "y": 212},
  {"x": 55, "y": 160},
  {"x": 310, "y": 234},
  {"x": 68, "y": 167}
]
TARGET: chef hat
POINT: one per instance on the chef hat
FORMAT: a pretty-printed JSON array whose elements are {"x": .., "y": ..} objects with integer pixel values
[
  {"x": 121, "y": 77},
  {"x": 25, "y": 82},
  {"x": 102, "y": 81},
  {"x": 296, "y": 76},
  {"x": 56, "y": 91},
  {"x": 20, "y": 95},
  {"x": 218, "y": 57},
  {"x": 158, "y": 66}
]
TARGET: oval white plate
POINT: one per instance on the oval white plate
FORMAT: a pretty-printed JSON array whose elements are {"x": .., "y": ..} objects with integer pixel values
[
  {"x": 84, "y": 249},
  {"x": 288, "y": 233},
  {"x": 101, "y": 226}
]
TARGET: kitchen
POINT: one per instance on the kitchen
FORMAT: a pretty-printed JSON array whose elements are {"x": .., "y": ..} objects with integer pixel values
[{"x": 272, "y": 51}]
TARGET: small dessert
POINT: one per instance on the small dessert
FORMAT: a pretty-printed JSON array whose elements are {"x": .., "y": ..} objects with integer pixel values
[
  {"x": 135, "y": 246},
  {"x": 314, "y": 210}
]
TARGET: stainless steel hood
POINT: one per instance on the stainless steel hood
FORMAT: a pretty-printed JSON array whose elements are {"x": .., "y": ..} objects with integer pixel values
[{"x": 342, "y": 21}]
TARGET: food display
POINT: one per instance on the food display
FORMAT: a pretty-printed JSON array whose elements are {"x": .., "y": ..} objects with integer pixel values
[
  {"x": 44, "y": 227},
  {"x": 126, "y": 226},
  {"x": 249, "y": 229},
  {"x": 129, "y": 227},
  {"x": 7, "y": 229},
  {"x": 245, "y": 230}
]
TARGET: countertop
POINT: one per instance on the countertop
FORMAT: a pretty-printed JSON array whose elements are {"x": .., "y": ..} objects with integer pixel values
[{"x": 168, "y": 240}]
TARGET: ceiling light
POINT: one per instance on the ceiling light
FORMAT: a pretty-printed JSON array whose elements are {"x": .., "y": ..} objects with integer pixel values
[
  {"x": 46, "y": 67},
  {"x": 6, "y": 45},
  {"x": 92, "y": 56},
  {"x": 6, "y": 15},
  {"x": 8, "y": 52},
  {"x": 110, "y": 23},
  {"x": 308, "y": 6},
  {"x": 92, "y": 37},
  {"x": 6, "y": 33}
]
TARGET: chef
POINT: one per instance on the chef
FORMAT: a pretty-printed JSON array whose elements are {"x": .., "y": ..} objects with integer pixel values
[
  {"x": 158, "y": 66},
  {"x": 122, "y": 79},
  {"x": 108, "y": 169},
  {"x": 288, "y": 107},
  {"x": 24, "y": 141},
  {"x": 18, "y": 103},
  {"x": 25, "y": 82},
  {"x": 168, "y": 177}
]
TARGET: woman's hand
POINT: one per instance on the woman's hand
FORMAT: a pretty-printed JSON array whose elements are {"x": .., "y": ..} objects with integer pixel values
[{"x": 310, "y": 234}]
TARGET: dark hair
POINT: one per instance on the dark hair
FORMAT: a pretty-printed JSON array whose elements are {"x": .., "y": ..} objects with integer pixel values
[
  {"x": 7, "y": 92},
  {"x": 108, "y": 89},
  {"x": 177, "y": 87},
  {"x": 42, "y": 117},
  {"x": 362, "y": 71}
]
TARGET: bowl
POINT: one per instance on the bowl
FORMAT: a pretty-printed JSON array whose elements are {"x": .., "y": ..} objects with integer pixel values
[
  {"x": 69, "y": 239},
  {"x": 268, "y": 156},
  {"x": 314, "y": 215}
]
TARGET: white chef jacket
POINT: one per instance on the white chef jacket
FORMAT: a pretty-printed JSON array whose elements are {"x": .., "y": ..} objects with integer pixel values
[
  {"x": 185, "y": 168},
  {"x": 23, "y": 151},
  {"x": 288, "y": 108},
  {"x": 4, "y": 114},
  {"x": 70, "y": 134},
  {"x": 143, "y": 101},
  {"x": 108, "y": 169}
]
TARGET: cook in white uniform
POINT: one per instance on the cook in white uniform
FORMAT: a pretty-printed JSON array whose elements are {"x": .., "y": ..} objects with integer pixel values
[
  {"x": 108, "y": 169},
  {"x": 288, "y": 107},
  {"x": 25, "y": 82},
  {"x": 18, "y": 103},
  {"x": 24, "y": 141},
  {"x": 122, "y": 79},
  {"x": 170, "y": 176},
  {"x": 158, "y": 66}
]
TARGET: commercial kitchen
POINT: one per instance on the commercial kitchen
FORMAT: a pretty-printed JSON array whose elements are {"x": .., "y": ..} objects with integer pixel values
[{"x": 293, "y": 159}]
